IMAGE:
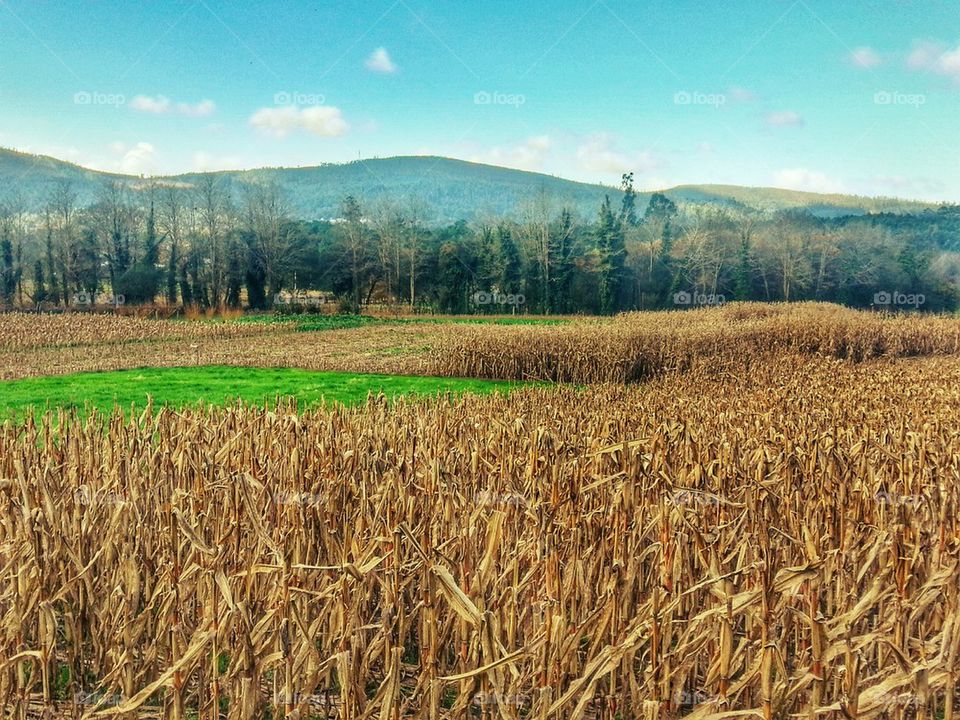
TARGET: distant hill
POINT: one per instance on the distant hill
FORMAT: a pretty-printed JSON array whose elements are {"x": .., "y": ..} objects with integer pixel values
[
  {"x": 820, "y": 204},
  {"x": 451, "y": 189}
]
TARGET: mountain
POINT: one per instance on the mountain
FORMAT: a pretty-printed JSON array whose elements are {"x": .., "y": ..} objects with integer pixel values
[
  {"x": 450, "y": 189},
  {"x": 819, "y": 204}
]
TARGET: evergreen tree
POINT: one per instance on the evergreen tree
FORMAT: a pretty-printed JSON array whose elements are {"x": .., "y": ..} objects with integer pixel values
[
  {"x": 742, "y": 284},
  {"x": 51, "y": 275},
  {"x": 39, "y": 283},
  {"x": 564, "y": 266},
  {"x": 151, "y": 244},
  {"x": 235, "y": 276},
  {"x": 628, "y": 206},
  {"x": 610, "y": 245},
  {"x": 660, "y": 207},
  {"x": 87, "y": 263},
  {"x": 512, "y": 272},
  {"x": 172, "y": 270},
  {"x": 457, "y": 280},
  {"x": 660, "y": 213},
  {"x": 141, "y": 282},
  {"x": 9, "y": 272},
  {"x": 255, "y": 278}
]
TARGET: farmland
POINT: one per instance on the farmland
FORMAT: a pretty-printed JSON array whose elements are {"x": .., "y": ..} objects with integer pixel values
[{"x": 750, "y": 510}]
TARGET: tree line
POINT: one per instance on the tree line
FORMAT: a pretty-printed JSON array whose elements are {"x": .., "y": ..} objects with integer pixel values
[{"x": 211, "y": 245}]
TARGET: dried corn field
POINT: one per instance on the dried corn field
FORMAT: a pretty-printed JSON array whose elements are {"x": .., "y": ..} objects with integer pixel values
[
  {"x": 20, "y": 331},
  {"x": 395, "y": 349},
  {"x": 735, "y": 337},
  {"x": 787, "y": 548}
]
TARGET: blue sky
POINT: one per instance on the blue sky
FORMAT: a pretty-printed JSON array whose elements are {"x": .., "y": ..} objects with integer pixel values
[{"x": 857, "y": 96}]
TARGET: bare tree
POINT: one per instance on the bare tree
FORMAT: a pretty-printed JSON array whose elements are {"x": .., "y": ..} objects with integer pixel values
[
  {"x": 534, "y": 231},
  {"x": 416, "y": 215},
  {"x": 389, "y": 222},
  {"x": 13, "y": 220},
  {"x": 212, "y": 202},
  {"x": 273, "y": 243},
  {"x": 115, "y": 218},
  {"x": 172, "y": 221},
  {"x": 63, "y": 211},
  {"x": 354, "y": 234}
]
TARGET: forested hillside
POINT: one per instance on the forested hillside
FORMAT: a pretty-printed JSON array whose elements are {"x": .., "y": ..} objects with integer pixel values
[
  {"x": 211, "y": 244},
  {"x": 450, "y": 189}
]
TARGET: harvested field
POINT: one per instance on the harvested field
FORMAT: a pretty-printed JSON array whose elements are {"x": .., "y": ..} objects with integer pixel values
[
  {"x": 779, "y": 543},
  {"x": 628, "y": 348},
  {"x": 733, "y": 338},
  {"x": 386, "y": 348},
  {"x": 19, "y": 331}
]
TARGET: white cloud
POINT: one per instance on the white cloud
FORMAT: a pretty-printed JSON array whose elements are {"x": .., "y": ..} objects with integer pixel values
[
  {"x": 935, "y": 57},
  {"x": 162, "y": 105},
  {"x": 600, "y": 154},
  {"x": 380, "y": 62},
  {"x": 322, "y": 120},
  {"x": 866, "y": 58},
  {"x": 158, "y": 105},
  {"x": 784, "y": 118},
  {"x": 527, "y": 155},
  {"x": 806, "y": 180},
  {"x": 139, "y": 160},
  {"x": 949, "y": 63},
  {"x": 924, "y": 54},
  {"x": 705, "y": 148}
]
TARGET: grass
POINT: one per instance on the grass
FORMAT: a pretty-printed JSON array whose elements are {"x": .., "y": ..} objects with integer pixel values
[
  {"x": 309, "y": 322},
  {"x": 214, "y": 384},
  {"x": 477, "y": 320}
]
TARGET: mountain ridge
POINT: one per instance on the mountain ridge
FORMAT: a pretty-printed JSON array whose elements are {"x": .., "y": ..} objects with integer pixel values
[{"x": 454, "y": 189}]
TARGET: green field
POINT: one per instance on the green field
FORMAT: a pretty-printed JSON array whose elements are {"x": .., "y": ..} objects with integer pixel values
[
  {"x": 311, "y": 322},
  {"x": 184, "y": 386}
]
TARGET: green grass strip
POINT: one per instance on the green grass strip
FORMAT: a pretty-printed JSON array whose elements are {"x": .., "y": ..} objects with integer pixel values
[
  {"x": 214, "y": 384},
  {"x": 308, "y": 322}
]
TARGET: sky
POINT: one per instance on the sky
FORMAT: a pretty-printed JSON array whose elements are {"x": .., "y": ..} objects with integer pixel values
[{"x": 856, "y": 96}]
